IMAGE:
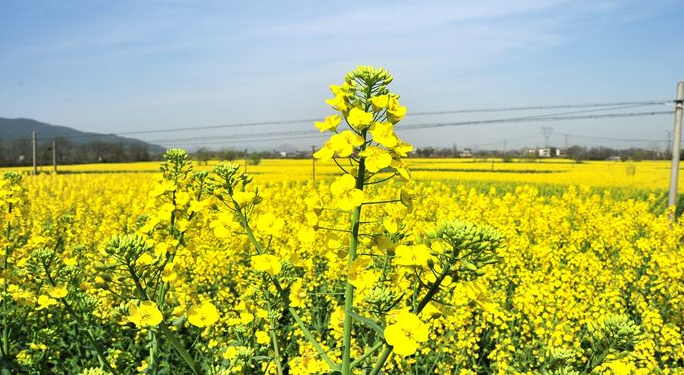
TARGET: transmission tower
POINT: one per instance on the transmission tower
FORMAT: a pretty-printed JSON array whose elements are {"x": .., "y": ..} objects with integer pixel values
[{"x": 547, "y": 131}]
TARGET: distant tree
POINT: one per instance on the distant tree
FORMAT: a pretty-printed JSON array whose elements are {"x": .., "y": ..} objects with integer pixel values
[
  {"x": 138, "y": 152},
  {"x": 228, "y": 155},
  {"x": 425, "y": 152},
  {"x": 20, "y": 152},
  {"x": 203, "y": 155}
]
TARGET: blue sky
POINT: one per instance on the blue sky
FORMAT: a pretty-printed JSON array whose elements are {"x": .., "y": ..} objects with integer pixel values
[{"x": 123, "y": 66}]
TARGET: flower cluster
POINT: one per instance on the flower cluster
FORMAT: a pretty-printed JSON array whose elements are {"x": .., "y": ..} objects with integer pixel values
[{"x": 370, "y": 112}]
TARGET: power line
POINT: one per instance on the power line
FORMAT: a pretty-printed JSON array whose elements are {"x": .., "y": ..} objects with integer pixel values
[
  {"x": 586, "y": 137},
  {"x": 182, "y": 142},
  {"x": 535, "y": 119},
  {"x": 540, "y": 107},
  {"x": 617, "y": 105},
  {"x": 235, "y": 125},
  {"x": 595, "y": 106},
  {"x": 559, "y": 116},
  {"x": 258, "y": 136},
  {"x": 517, "y": 139},
  {"x": 613, "y": 139},
  {"x": 237, "y": 136}
]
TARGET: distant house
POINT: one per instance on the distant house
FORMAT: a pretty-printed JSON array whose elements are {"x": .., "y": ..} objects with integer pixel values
[
  {"x": 613, "y": 158},
  {"x": 544, "y": 152},
  {"x": 466, "y": 153}
]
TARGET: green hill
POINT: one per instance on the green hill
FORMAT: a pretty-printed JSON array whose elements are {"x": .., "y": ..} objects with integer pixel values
[{"x": 21, "y": 129}]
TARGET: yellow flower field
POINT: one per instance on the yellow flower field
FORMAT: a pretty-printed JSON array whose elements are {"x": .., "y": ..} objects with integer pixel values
[
  {"x": 649, "y": 175},
  {"x": 468, "y": 268}
]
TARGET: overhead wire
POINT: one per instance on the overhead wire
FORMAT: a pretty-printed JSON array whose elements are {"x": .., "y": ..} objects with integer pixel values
[
  {"x": 304, "y": 134},
  {"x": 596, "y": 106},
  {"x": 543, "y": 117}
]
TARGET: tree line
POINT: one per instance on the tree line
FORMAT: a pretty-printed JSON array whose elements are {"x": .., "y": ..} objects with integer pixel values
[
  {"x": 18, "y": 152},
  {"x": 577, "y": 153}
]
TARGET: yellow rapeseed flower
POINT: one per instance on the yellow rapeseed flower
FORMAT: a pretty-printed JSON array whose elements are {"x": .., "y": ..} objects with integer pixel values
[
  {"x": 57, "y": 291},
  {"x": 243, "y": 198},
  {"x": 376, "y": 158},
  {"x": 71, "y": 262},
  {"x": 267, "y": 263},
  {"x": 203, "y": 315},
  {"x": 400, "y": 167},
  {"x": 297, "y": 294},
  {"x": 326, "y": 152},
  {"x": 477, "y": 293},
  {"x": 405, "y": 334},
  {"x": 417, "y": 255},
  {"x": 402, "y": 149},
  {"x": 338, "y": 103},
  {"x": 330, "y": 123},
  {"x": 621, "y": 367},
  {"x": 306, "y": 235},
  {"x": 145, "y": 315},
  {"x": 383, "y": 133},
  {"x": 45, "y": 302},
  {"x": 395, "y": 110},
  {"x": 345, "y": 142},
  {"x": 379, "y": 102},
  {"x": 346, "y": 195},
  {"x": 262, "y": 337},
  {"x": 359, "y": 119},
  {"x": 269, "y": 224},
  {"x": 360, "y": 276}
]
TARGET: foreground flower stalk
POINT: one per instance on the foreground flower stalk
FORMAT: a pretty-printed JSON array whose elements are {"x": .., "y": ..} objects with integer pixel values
[
  {"x": 368, "y": 109},
  {"x": 349, "y": 288}
]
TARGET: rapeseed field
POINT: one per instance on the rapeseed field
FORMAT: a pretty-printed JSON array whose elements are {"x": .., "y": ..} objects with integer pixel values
[{"x": 386, "y": 265}]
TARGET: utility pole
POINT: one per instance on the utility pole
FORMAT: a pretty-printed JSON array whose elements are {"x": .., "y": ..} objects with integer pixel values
[
  {"x": 54, "y": 157},
  {"x": 313, "y": 165},
  {"x": 676, "y": 147},
  {"x": 245, "y": 160},
  {"x": 35, "y": 164}
]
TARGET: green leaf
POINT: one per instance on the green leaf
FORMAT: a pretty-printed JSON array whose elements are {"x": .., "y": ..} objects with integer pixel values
[{"x": 375, "y": 326}]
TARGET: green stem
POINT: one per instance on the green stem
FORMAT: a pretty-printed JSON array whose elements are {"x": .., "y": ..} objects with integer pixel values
[
  {"x": 281, "y": 292},
  {"x": 349, "y": 289},
  {"x": 421, "y": 305},
  {"x": 81, "y": 323},
  {"x": 173, "y": 340},
  {"x": 367, "y": 354},
  {"x": 381, "y": 202},
  {"x": 431, "y": 293},
  {"x": 153, "y": 368},
  {"x": 333, "y": 229},
  {"x": 381, "y": 360},
  {"x": 279, "y": 365}
]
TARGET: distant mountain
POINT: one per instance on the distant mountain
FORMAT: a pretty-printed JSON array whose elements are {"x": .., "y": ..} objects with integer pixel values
[{"x": 21, "y": 128}]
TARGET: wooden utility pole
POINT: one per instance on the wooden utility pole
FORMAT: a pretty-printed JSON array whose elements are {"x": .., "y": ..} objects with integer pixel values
[
  {"x": 245, "y": 160},
  {"x": 35, "y": 164},
  {"x": 54, "y": 157},
  {"x": 313, "y": 165},
  {"x": 676, "y": 147}
]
